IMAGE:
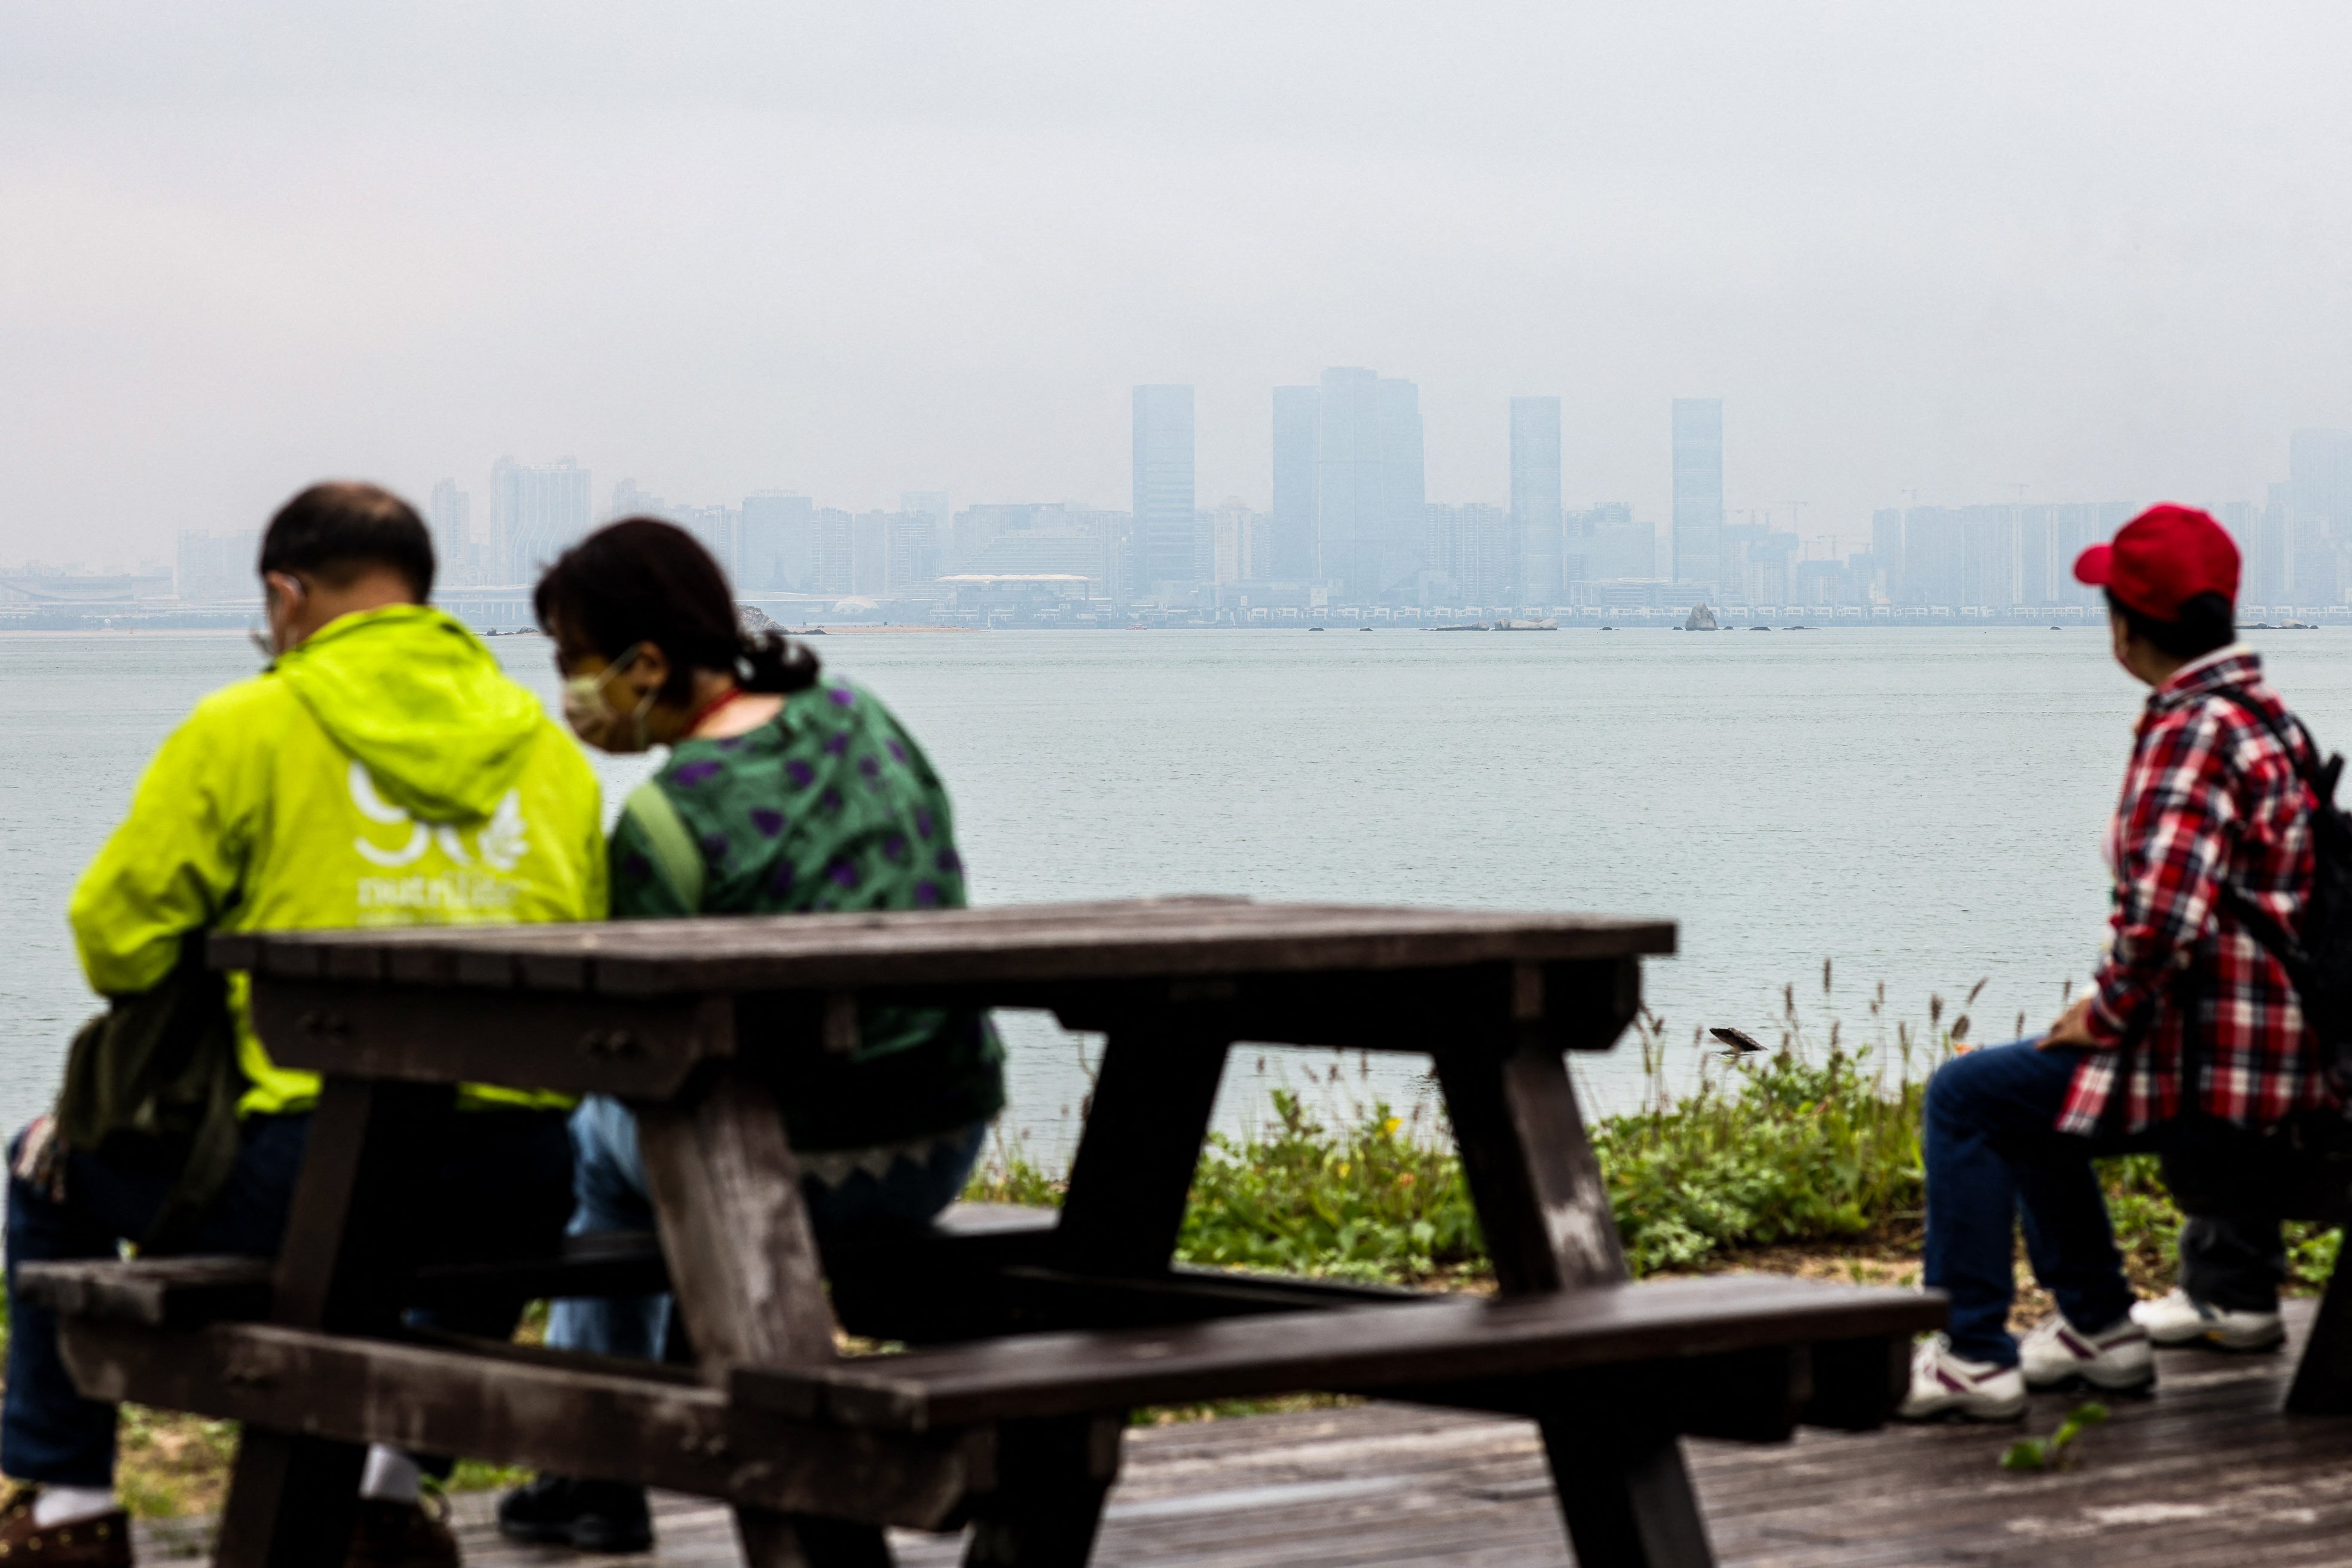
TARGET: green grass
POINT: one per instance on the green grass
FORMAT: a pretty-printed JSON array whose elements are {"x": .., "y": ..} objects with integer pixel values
[{"x": 1808, "y": 1144}]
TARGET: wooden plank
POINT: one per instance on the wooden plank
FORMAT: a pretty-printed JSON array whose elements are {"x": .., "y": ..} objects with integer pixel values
[
  {"x": 510, "y": 1411},
  {"x": 968, "y": 1243},
  {"x": 936, "y": 947},
  {"x": 177, "y": 1292},
  {"x": 1442, "y": 1340},
  {"x": 559, "y": 1040},
  {"x": 744, "y": 1264}
]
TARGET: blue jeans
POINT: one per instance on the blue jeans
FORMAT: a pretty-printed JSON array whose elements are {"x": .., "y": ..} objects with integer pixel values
[
  {"x": 498, "y": 1184},
  {"x": 609, "y": 1185},
  {"x": 1994, "y": 1156}
]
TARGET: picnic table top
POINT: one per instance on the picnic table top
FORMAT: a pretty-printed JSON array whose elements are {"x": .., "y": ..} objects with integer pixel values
[{"x": 1114, "y": 940}]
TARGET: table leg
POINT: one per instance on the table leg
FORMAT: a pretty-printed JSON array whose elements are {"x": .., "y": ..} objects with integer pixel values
[
  {"x": 1152, "y": 1098},
  {"x": 292, "y": 1499},
  {"x": 1051, "y": 1478},
  {"x": 1150, "y": 1115},
  {"x": 743, "y": 1267},
  {"x": 1544, "y": 1209},
  {"x": 2322, "y": 1379}
]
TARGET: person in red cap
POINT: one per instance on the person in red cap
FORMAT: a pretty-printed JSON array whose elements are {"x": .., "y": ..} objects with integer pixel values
[{"x": 2213, "y": 811}]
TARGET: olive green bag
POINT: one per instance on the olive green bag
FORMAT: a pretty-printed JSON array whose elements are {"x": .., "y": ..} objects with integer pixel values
[{"x": 152, "y": 1084}]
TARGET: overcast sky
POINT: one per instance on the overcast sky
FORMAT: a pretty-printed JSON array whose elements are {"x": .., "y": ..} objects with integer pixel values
[{"x": 2096, "y": 251}]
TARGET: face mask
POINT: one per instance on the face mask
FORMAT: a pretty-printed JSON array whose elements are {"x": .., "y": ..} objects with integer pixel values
[{"x": 592, "y": 717}]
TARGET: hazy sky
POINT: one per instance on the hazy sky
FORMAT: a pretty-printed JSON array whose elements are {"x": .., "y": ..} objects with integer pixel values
[{"x": 2099, "y": 251}]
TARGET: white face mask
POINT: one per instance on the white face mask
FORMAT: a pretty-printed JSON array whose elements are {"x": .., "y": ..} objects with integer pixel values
[{"x": 592, "y": 717}]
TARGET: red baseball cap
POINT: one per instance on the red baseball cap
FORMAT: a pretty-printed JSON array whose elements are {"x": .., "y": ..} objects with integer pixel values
[{"x": 2161, "y": 560}]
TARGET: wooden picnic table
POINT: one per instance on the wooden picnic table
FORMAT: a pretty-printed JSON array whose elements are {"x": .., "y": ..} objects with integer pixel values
[{"x": 1033, "y": 1333}]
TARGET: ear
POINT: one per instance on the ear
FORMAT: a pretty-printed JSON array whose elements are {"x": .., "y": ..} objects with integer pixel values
[{"x": 649, "y": 671}]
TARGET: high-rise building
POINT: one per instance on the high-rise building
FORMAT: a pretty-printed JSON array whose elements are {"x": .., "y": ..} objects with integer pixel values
[
  {"x": 536, "y": 512},
  {"x": 1403, "y": 543},
  {"x": 1535, "y": 520},
  {"x": 916, "y": 533},
  {"x": 833, "y": 551},
  {"x": 1698, "y": 491},
  {"x": 2319, "y": 511},
  {"x": 218, "y": 565},
  {"x": 1348, "y": 480},
  {"x": 1294, "y": 546},
  {"x": 774, "y": 542},
  {"x": 1470, "y": 550},
  {"x": 1372, "y": 502},
  {"x": 1615, "y": 546},
  {"x": 630, "y": 499},
  {"x": 1165, "y": 523},
  {"x": 2272, "y": 565},
  {"x": 448, "y": 517},
  {"x": 1235, "y": 539},
  {"x": 1886, "y": 546},
  {"x": 717, "y": 529},
  {"x": 932, "y": 504}
]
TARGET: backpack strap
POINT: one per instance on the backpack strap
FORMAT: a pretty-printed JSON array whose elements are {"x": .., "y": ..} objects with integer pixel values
[
  {"x": 675, "y": 855},
  {"x": 2280, "y": 943}
]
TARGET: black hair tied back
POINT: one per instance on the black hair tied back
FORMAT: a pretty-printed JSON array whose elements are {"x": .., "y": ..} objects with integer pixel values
[
  {"x": 773, "y": 663},
  {"x": 643, "y": 580}
]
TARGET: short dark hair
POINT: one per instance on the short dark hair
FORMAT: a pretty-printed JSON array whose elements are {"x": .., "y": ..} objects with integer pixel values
[
  {"x": 2207, "y": 622},
  {"x": 337, "y": 530},
  {"x": 645, "y": 581}
]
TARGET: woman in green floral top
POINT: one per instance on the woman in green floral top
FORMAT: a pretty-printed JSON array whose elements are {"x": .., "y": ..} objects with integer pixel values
[{"x": 784, "y": 793}]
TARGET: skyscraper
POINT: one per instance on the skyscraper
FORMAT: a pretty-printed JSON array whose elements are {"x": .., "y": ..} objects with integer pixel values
[
  {"x": 1404, "y": 542},
  {"x": 535, "y": 513},
  {"x": 934, "y": 505},
  {"x": 1535, "y": 498},
  {"x": 775, "y": 542},
  {"x": 1698, "y": 491},
  {"x": 1165, "y": 522},
  {"x": 449, "y": 517},
  {"x": 1348, "y": 480},
  {"x": 2319, "y": 511},
  {"x": 1372, "y": 501},
  {"x": 1295, "y": 414}
]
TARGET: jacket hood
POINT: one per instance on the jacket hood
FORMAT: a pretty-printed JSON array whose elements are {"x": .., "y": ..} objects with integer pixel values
[{"x": 417, "y": 698}]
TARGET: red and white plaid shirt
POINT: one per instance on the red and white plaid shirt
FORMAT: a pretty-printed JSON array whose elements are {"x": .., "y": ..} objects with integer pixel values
[{"x": 2210, "y": 796}]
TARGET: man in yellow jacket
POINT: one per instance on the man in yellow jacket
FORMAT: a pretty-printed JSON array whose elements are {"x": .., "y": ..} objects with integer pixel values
[{"x": 382, "y": 771}]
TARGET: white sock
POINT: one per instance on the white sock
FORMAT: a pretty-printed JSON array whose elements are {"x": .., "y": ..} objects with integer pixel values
[
  {"x": 70, "y": 1505},
  {"x": 391, "y": 1475}
]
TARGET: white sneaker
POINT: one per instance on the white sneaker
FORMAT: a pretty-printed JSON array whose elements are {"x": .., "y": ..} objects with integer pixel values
[
  {"x": 1943, "y": 1384},
  {"x": 2181, "y": 1319},
  {"x": 2117, "y": 1358}
]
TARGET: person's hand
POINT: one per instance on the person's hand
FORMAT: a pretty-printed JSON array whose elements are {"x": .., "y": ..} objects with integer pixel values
[{"x": 2072, "y": 1028}]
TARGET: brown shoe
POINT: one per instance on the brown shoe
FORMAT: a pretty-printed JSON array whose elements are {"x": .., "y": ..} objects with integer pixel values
[
  {"x": 100, "y": 1542},
  {"x": 399, "y": 1535}
]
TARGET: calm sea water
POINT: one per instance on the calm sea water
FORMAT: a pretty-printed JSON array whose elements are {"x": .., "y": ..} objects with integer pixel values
[{"x": 1923, "y": 808}]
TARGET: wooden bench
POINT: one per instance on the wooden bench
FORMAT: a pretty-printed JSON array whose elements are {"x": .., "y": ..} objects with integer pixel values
[{"x": 1034, "y": 1335}]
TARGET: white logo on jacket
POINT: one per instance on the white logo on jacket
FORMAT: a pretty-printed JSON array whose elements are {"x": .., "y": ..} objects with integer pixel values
[{"x": 501, "y": 840}]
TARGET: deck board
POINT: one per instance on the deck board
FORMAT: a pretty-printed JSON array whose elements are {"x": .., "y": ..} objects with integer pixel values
[{"x": 2207, "y": 1472}]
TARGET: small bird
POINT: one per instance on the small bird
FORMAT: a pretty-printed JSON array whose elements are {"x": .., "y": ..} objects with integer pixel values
[{"x": 1735, "y": 1042}]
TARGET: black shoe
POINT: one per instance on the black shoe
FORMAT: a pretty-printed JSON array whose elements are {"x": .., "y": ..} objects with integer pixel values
[{"x": 587, "y": 1516}]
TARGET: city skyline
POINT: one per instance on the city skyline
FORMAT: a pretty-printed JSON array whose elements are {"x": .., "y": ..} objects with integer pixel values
[{"x": 276, "y": 247}]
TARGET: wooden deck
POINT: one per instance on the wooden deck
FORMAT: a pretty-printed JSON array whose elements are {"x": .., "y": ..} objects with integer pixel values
[{"x": 2207, "y": 1472}]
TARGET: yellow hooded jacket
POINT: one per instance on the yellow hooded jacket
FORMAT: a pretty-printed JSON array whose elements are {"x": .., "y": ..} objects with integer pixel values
[{"x": 386, "y": 772}]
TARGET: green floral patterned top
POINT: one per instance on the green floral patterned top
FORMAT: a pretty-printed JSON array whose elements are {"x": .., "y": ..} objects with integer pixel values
[{"x": 828, "y": 806}]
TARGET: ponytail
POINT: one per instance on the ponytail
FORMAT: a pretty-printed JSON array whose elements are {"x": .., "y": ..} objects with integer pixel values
[{"x": 770, "y": 662}]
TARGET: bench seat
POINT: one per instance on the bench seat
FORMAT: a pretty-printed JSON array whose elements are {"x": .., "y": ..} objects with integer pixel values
[
  {"x": 182, "y": 1292},
  {"x": 1427, "y": 1345}
]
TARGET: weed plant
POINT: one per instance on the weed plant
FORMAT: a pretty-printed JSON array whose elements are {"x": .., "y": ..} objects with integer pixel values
[{"x": 1814, "y": 1141}]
